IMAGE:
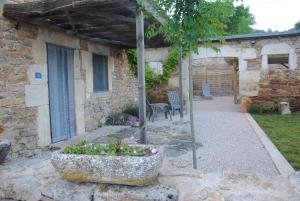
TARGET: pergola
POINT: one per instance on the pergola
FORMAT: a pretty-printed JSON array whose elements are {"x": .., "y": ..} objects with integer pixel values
[
  {"x": 118, "y": 23},
  {"x": 108, "y": 22}
]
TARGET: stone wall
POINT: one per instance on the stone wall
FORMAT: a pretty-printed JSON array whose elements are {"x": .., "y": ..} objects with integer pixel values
[
  {"x": 279, "y": 85},
  {"x": 124, "y": 91},
  {"x": 274, "y": 82},
  {"x": 160, "y": 55},
  {"x": 24, "y": 101},
  {"x": 260, "y": 81},
  {"x": 17, "y": 122}
]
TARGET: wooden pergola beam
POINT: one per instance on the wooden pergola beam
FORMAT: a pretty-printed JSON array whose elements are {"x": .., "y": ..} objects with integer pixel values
[
  {"x": 49, "y": 6},
  {"x": 83, "y": 19}
]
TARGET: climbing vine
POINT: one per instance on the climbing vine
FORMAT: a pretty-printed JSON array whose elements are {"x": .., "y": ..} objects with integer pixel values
[{"x": 152, "y": 79}]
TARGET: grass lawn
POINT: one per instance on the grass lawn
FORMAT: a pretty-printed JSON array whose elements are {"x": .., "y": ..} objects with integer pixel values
[{"x": 284, "y": 131}]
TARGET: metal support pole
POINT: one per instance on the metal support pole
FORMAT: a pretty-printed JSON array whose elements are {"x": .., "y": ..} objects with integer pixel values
[
  {"x": 191, "y": 109},
  {"x": 180, "y": 80},
  {"x": 141, "y": 74}
]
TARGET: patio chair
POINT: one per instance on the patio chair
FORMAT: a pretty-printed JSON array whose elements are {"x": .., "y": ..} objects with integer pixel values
[
  {"x": 206, "y": 91},
  {"x": 174, "y": 101},
  {"x": 155, "y": 108}
]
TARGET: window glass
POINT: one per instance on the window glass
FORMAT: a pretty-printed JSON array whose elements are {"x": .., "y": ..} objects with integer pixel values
[{"x": 100, "y": 73}]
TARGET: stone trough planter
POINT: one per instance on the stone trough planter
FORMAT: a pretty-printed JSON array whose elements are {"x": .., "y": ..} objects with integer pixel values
[
  {"x": 5, "y": 146},
  {"x": 126, "y": 170}
]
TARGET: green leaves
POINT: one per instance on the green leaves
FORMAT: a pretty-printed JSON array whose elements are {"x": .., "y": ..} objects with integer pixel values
[
  {"x": 241, "y": 21},
  {"x": 297, "y": 25},
  {"x": 152, "y": 79},
  {"x": 191, "y": 21},
  {"x": 111, "y": 149},
  {"x": 194, "y": 20}
]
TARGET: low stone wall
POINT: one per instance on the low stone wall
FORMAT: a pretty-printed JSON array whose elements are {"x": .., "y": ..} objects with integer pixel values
[{"x": 279, "y": 85}]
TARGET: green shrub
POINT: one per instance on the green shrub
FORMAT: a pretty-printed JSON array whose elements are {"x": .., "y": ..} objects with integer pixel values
[
  {"x": 254, "y": 109},
  {"x": 267, "y": 107},
  {"x": 132, "y": 109},
  {"x": 111, "y": 149}
]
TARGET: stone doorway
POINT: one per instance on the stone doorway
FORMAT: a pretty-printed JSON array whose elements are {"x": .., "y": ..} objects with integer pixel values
[{"x": 222, "y": 74}]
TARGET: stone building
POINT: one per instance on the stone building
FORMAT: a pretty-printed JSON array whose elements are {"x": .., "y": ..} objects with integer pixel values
[
  {"x": 262, "y": 67},
  {"x": 39, "y": 100}
]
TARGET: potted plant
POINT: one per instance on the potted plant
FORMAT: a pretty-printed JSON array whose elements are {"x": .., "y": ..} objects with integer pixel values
[{"x": 114, "y": 163}]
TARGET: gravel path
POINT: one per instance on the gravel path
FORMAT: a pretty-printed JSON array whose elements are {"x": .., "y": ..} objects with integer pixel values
[{"x": 229, "y": 142}]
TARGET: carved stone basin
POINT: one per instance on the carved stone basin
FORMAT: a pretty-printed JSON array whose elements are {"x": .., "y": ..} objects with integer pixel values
[
  {"x": 5, "y": 146},
  {"x": 126, "y": 170}
]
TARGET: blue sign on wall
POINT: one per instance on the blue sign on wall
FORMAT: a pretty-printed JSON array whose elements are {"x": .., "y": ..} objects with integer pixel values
[{"x": 38, "y": 76}]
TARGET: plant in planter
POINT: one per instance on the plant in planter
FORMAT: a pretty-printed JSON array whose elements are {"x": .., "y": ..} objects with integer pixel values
[{"x": 114, "y": 163}]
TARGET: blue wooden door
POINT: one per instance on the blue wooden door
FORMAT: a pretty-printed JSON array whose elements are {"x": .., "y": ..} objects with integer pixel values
[{"x": 61, "y": 92}]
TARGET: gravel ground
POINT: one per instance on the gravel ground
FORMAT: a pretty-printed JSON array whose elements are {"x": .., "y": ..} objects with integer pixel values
[{"x": 229, "y": 142}]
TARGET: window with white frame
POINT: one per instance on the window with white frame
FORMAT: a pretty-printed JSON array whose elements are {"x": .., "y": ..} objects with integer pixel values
[{"x": 278, "y": 55}]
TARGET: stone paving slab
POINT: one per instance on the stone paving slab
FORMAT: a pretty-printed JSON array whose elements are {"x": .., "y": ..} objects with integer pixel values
[
  {"x": 196, "y": 186},
  {"x": 36, "y": 179}
]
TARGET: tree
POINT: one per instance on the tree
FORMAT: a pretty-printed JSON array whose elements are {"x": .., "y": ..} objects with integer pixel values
[
  {"x": 191, "y": 21},
  {"x": 241, "y": 21},
  {"x": 297, "y": 25}
]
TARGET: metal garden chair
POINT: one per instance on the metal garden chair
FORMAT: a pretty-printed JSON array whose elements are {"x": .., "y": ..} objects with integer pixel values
[
  {"x": 206, "y": 91},
  {"x": 174, "y": 101}
]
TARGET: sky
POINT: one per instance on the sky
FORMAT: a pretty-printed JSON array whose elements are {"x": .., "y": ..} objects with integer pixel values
[{"x": 278, "y": 15}]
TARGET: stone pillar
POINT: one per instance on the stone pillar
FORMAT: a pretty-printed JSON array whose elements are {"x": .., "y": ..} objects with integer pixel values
[
  {"x": 242, "y": 69},
  {"x": 292, "y": 61},
  {"x": 242, "y": 65},
  {"x": 264, "y": 63},
  {"x": 79, "y": 94}
]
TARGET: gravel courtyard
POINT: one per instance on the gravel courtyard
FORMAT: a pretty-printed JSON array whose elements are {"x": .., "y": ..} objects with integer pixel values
[{"x": 229, "y": 142}]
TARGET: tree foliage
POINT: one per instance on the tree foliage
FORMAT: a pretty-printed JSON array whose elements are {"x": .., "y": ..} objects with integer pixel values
[
  {"x": 151, "y": 78},
  {"x": 241, "y": 21},
  {"x": 297, "y": 25},
  {"x": 191, "y": 21}
]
